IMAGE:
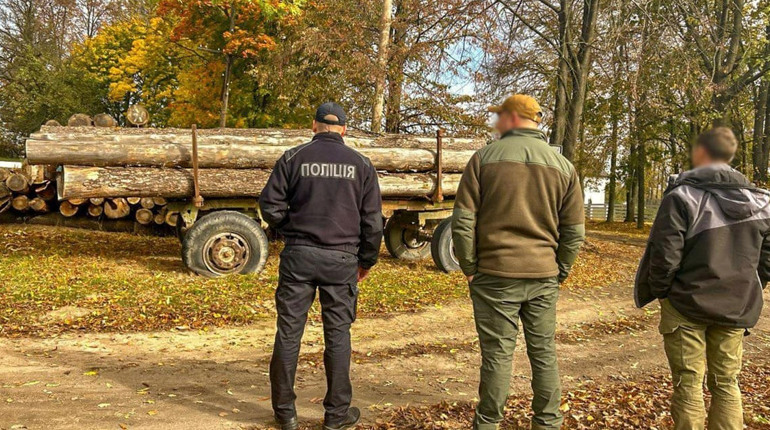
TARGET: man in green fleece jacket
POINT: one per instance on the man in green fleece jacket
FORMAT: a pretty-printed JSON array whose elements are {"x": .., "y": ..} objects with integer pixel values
[{"x": 517, "y": 226}]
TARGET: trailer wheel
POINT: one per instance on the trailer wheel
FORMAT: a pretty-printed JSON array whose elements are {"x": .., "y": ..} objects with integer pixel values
[
  {"x": 402, "y": 239},
  {"x": 225, "y": 243},
  {"x": 442, "y": 247}
]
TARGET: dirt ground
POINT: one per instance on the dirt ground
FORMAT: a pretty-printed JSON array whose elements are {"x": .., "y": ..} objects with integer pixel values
[{"x": 218, "y": 379}]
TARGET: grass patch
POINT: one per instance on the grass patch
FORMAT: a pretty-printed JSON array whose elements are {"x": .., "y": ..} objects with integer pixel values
[{"x": 56, "y": 279}]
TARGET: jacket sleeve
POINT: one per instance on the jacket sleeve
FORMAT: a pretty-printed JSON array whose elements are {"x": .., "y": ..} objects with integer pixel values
[
  {"x": 572, "y": 230},
  {"x": 666, "y": 244},
  {"x": 371, "y": 221},
  {"x": 764, "y": 261},
  {"x": 467, "y": 203},
  {"x": 274, "y": 199}
]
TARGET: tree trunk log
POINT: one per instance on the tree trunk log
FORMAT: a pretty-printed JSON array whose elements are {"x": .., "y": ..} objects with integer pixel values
[
  {"x": 144, "y": 216},
  {"x": 68, "y": 209},
  {"x": 90, "y": 182},
  {"x": 172, "y": 218},
  {"x": 77, "y": 201},
  {"x": 20, "y": 203},
  {"x": 38, "y": 205},
  {"x": 5, "y": 204},
  {"x": 95, "y": 210},
  {"x": 4, "y": 191},
  {"x": 97, "y": 201},
  {"x": 160, "y": 217},
  {"x": 262, "y": 137},
  {"x": 147, "y": 203},
  {"x": 117, "y": 208},
  {"x": 46, "y": 191},
  {"x": 17, "y": 183},
  {"x": 118, "y": 226},
  {"x": 159, "y": 201},
  {"x": 227, "y": 156},
  {"x": 133, "y": 200}
]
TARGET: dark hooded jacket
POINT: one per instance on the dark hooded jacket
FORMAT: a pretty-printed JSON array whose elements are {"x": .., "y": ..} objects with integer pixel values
[{"x": 708, "y": 251}]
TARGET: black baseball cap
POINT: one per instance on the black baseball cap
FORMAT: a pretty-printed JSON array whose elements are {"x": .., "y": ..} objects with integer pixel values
[{"x": 330, "y": 108}]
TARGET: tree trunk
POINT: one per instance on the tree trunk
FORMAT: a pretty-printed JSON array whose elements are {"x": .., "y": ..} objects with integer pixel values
[
  {"x": 232, "y": 136},
  {"x": 227, "y": 75},
  {"x": 17, "y": 183},
  {"x": 144, "y": 216},
  {"x": 67, "y": 209},
  {"x": 95, "y": 210},
  {"x": 117, "y": 208},
  {"x": 640, "y": 184},
  {"x": 89, "y": 182},
  {"x": 581, "y": 66},
  {"x": 38, "y": 205},
  {"x": 4, "y": 191},
  {"x": 147, "y": 203},
  {"x": 382, "y": 66},
  {"x": 612, "y": 188},
  {"x": 20, "y": 203},
  {"x": 46, "y": 191},
  {"x": 230, "y": 156},
  {"x": 562, "y": 75}
]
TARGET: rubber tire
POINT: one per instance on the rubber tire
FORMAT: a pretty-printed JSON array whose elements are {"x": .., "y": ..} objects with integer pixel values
[
  {"x": 394, "y": 239},
  {"x": 442, "y": 247},
  {"x": 222, "y": 222}
]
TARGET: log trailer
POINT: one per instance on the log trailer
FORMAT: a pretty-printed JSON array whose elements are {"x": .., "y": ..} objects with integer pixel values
[{"x": 227, "y": 236}]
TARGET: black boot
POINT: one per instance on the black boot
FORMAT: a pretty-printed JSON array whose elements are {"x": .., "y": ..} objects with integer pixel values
[
  {"x": 290, "y": 424},
  {"x": 350, "y": 421}
]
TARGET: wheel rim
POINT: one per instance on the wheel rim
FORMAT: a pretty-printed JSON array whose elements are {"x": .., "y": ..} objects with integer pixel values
[
  {"x": 410, "y": 239},
  {"x": 226, "y": 253}
]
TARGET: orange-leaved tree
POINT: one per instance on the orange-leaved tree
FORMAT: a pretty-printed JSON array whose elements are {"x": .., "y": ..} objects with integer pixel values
[{"x": 230, "y": 32}]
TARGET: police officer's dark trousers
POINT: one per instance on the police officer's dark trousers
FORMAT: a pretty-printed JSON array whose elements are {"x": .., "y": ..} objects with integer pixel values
[{"x": 303, "y": 270}]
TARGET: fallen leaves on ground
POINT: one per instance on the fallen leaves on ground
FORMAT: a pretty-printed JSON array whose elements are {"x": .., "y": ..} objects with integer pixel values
[
  {"x": 57, "y": 279},
  {"x": 619, "y": 404}
]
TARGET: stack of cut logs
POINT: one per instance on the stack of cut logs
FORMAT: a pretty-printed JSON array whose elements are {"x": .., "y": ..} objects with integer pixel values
[
  {"x": 117, "y": 172},
  {"x": 31, "y": 190},
  {"x": 28, "y": 189},
  {"x": 108, "y": 163}
]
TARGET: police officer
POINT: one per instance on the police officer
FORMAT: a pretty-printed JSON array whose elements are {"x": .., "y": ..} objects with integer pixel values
[{"x": 324, "y": 198}]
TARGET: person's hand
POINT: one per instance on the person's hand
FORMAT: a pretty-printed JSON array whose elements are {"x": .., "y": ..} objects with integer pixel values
[
  {"x": 362, "y": 273},
  {"x": 470, "y": 279}
]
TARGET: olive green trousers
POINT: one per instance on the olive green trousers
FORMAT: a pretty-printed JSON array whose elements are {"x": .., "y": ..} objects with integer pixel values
[
  {"x": 498, "y": 306},
  {"x": 696, "y": 351}
]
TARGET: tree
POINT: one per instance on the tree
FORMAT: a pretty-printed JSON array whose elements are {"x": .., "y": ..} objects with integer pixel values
[{"x": 230, "y": 30}]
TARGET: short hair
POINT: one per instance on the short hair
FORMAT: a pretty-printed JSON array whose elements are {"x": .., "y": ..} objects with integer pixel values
[{"x": 719, "y": 143}]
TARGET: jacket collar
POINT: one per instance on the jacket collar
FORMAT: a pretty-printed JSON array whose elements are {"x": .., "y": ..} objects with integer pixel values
[
  {"x": 329, "y": 136},
  {"x": 524, "y": 132}
]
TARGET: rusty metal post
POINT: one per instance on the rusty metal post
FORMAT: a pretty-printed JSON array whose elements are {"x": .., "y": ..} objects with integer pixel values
[
  {"x": 197, "y": 199},
  {"x": 438, "y": 194}
]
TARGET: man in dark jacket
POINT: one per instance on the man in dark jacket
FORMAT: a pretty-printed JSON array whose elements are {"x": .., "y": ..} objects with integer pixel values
[
  {"x": 707, "y": 261},
  {"x": 324, "y": 198}
]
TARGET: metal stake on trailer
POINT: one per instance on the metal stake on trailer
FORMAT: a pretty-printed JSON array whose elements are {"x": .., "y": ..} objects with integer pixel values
[
  {"x": 438, "y": 194},
  {"x": 197, "y": 199}
]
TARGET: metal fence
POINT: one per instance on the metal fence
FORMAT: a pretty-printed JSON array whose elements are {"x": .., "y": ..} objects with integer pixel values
[{"x": 598, "y": 211}]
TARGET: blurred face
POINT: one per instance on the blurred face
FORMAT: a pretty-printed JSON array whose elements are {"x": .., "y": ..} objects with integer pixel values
[
  {"x": 699, "y": 156},
  {"x": 506, "y": 121}
]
